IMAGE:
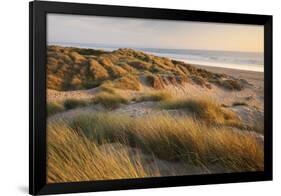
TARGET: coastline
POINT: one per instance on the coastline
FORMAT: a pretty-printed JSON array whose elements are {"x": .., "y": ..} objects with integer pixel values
[
  {"x": 254, "y": 77},
  {"x": 242, "y": 67}
]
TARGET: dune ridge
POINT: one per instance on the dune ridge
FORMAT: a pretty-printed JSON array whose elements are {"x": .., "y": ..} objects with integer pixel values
[{"x": 75, "y": 69}]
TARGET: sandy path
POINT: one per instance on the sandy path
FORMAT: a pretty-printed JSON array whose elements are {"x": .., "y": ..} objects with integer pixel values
[{"x": 53, "y": 95}]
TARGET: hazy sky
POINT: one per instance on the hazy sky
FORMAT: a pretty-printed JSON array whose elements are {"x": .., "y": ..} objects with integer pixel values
[{"x": 149, "y": 33}]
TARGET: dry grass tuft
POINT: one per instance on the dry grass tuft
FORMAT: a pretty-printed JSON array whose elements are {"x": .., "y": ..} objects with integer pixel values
[
  {"x": 76, "y": 57},
  {"x": 155, "y": 81},
  {"x": 128, "y": 82},
  {"x": 72, "y": 158},
  {"x": 229, "y": 84},
  {"x": 74, "y": 103},
  {"x": 109, "y": 100},
  {"x": 205, "y": 109},
  {"x": 239, "y": 103},
  {"x": 54, "y": 107},
  {"x": 164, "y": 137},
  {"x": 140, "y": 65},
  {"x": 98, "y": 71},
  {"x": 76, "y": 153},
  {"x": 114, "y": 70},
  {"x": 107, "y": 87},
  {"x": 156, "y": 96}
]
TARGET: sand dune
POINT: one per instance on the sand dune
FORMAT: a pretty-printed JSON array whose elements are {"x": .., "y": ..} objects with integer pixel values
[{"x": 131, "y": 86}]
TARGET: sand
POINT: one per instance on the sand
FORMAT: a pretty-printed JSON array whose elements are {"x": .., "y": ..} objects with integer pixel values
[{"x": 254, "y": 77}]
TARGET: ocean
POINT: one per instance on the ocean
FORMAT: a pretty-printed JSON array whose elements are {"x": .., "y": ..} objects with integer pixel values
[{"x": 252, "y": 61}]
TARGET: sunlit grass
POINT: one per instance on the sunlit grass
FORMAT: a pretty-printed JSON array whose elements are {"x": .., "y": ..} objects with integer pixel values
[
  {"x": 128, "y": 82},
  {"x": 204, "y": 109},
  {"x": 172, "y": 138},
  {"x": 74, "y": 158},
  {"x": 54, "y": 107},
  {"x": 155, "y": 96},
  {"x": 112, "y": 145},
  {"x": 108, "y": 100},
  {"x": 76, "y": 152}
]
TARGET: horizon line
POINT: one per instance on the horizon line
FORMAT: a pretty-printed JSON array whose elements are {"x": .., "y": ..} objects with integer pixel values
[{"x": 144, "y": 47}]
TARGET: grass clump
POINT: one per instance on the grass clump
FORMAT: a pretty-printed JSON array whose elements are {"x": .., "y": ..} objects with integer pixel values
[
  {"x": 140, "y": 65},
  {"x": 74, "y": 103},
  {"x": 228, "y": 84},
  {"x": 89, "y": 51},
  {"x": 155, "y": 81},
  {"x": 76, "y": 149},
  {"x": 198, "y": 80},
  {"x": 98, "y": 71},
  {"x": 68, "y": 104},
  {"x": 54, "y": 107},
  {"x": 107, "y": 87},
  {"x": 108, "y": 100},
  {"x": 76, "y": 57},
  {"x": 207, "y": 110},
  {"x": 237, "y": 103},
  {"x": 185, "y": 139},
  {"x": 156, "y": 96},
  {"x": 174, "y": 139},
  {"x": 232, "y": 85},
  {"x": 72, "y": 158},
  {"x": 128, "y": 82},
  {"x": 112, "y": 69}
]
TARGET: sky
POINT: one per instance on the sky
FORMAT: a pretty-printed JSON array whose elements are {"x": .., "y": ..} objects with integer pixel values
[{"x": 150, "y": 33}]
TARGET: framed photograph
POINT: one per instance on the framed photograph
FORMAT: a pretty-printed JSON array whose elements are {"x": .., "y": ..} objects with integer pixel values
[{"x": 130, "y": 97}]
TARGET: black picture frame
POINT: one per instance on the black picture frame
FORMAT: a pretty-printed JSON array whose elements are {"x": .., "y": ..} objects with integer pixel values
[{"x": 37, "y": 100}]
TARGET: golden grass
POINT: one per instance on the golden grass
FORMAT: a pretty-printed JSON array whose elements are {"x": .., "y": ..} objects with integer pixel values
[
  {"x": 114, "y": 70},
  {"x": 109, "y": 100},
  {"x": 107, "y": 97},
  {"x": 140, "y": 65},
  {"x": 155, "y": 96},
  {"x": 229, "y": 84},
  {"x": 128, "y": 82},
  {"x": 98, "y": 146},
  {"x": 76, "y": 148},
  {"x": 204, "y": 109},
  {"x": 54, "y": 107},
  {"x": 77, "y": 68},
  {"x": 76, "y": 57},
  {"x": 71, "y": 158},
  {"x": 178, "y": 138},
  {"x": 107, "y": 87},
  {"x": 67, "y": 104},
  {"x": 74, "y": 103},
  {"x": 155, "y": 81},
  {"x": 98, "y": 71}
]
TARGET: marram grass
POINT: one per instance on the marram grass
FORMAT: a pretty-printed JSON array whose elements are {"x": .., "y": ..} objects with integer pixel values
[{"x": 74, "y": 147}]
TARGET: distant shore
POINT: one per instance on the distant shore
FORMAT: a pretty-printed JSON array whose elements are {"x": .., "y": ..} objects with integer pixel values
[
  {"x": 251, "y": 68},
  {"x": 253, "y": 77}
]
